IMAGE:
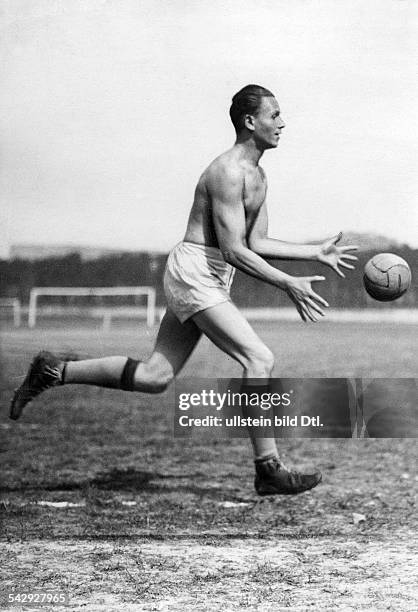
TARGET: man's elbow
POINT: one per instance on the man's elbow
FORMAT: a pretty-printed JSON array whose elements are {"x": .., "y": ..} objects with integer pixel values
[
  {"x": 233, "y": 255},
  {"x": 255, "y": 245}
]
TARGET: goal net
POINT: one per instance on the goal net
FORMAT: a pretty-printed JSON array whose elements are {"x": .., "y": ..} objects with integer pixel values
[{"x": 98, "y": 302}]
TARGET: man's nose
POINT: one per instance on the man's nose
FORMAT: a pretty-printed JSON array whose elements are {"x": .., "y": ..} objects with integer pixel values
[{"x": 281, "y": 123}]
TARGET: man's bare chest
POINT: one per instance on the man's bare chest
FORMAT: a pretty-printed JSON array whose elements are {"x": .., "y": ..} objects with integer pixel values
[{"x": 254, "y": 193}]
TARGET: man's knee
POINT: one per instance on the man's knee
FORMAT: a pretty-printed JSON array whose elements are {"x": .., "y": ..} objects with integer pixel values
[
  {"x": 260, "y": 359},
  {"x": 154, "y": 377}
]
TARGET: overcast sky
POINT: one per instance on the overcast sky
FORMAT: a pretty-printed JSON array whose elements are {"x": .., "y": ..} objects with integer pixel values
[{"x": 110, "y": 110}]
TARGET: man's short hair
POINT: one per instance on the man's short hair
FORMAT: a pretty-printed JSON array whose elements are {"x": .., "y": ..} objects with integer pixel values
[{"x": 247, "y": 102}]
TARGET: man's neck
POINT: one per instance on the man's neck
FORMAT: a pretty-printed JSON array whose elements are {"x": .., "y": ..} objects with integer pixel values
[{"x": 248, "y": 150}]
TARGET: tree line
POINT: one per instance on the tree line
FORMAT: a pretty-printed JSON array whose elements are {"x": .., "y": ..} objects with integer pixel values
[{"x": 17, "y": 277}]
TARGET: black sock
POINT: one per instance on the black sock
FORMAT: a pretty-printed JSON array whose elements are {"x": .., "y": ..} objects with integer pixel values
[
  {"x": 62, "y": 382},
  {"x": 127, "y": 379}
]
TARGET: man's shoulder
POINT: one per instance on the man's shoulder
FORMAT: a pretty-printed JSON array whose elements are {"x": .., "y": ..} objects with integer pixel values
[{"x": 224, "y": 168}]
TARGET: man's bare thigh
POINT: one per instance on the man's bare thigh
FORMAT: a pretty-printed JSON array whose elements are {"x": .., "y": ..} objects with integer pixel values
[
  {"x": 230, "y": 331},
  {"x": 174, "y": 344}
]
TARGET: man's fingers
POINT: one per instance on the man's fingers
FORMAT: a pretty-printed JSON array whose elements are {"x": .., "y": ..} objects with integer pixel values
[
  {"x": 339, "y": 272},
  {"x": 298, "y": 307},
  {"x": 346, "y": 265},
  {"x": 308, "y": 313},
  {"x": 315, "y": 307},
  {"x": 351, "y": 257},
  {"x": 315, "y": 316},
  {"x": 314, "y": 279},
  {"x": 314, "y": 295},
  {"x": 352, "y": 247},
  {"x": 301, "y": 313},
  {"x": 302, "y": 310},
  {"x": 337, "y": 238},
  {"x": 319, "y": 299}
]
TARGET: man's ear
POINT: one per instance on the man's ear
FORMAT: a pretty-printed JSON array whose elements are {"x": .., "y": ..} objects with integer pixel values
[{"x": 249, "y": 122}]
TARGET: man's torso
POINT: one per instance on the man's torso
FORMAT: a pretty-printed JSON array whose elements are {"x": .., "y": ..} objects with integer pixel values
[{"x": 200, "y": 226}]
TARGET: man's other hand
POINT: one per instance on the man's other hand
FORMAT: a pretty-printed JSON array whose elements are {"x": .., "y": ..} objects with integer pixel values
[
  {"x": 308, "y": 303},
  {"x": 336, "y": 256}
]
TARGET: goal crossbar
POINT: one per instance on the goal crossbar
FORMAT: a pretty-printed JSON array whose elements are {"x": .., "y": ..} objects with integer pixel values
[{"x": 36, "y": 292}]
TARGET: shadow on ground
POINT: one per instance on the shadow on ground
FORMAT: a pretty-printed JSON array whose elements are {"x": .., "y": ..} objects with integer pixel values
[{"x": 127, "y": 480}]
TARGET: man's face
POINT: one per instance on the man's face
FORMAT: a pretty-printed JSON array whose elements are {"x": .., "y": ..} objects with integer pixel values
[{"x": 267, "y": 123}]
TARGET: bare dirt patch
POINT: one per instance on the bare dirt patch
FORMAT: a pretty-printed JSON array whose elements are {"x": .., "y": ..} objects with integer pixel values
[{"x": 240, "y": 574}]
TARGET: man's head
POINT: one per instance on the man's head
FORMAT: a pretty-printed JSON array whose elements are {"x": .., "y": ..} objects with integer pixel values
[{"x": 255, "y": 109}]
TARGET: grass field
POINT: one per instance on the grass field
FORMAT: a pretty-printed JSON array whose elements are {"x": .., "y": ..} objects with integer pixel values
[{"x": 158, "y": 523}]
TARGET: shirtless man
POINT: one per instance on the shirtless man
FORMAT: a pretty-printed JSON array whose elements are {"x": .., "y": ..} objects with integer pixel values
[{"x": 227, "y": 229}]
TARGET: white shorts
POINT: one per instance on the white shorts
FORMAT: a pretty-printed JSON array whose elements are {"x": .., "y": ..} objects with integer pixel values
[{"x": 196, "y": 277}]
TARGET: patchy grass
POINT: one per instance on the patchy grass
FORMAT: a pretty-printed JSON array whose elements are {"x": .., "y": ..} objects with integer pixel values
[{"x": 149, "y": 529}]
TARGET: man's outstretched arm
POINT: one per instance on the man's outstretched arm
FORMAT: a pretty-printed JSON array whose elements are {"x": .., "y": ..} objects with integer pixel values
[
  {"x": 226, "y": 189},
  {"x": 326, "y": 252}
]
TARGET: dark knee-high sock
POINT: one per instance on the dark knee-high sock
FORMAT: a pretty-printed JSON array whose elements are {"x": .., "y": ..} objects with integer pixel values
[{"x": 112, "y": 372}]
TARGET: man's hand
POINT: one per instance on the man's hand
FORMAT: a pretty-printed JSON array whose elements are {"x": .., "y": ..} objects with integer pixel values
[
  {"x": 307, "y": 302},
  {"x": 333, "y": 256}
]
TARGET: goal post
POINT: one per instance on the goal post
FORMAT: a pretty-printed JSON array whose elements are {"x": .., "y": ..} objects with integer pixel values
[
  {"x": 148, "y": 292},
  {"x": 14, "y": 305}
]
